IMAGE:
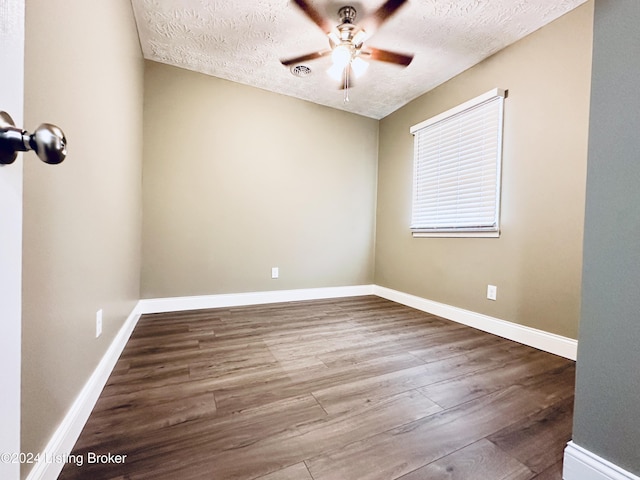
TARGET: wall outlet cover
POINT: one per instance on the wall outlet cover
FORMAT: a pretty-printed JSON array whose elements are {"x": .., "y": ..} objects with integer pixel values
[
  {"x": 492, "y": 292},
  {"x": 98, "y": 323}
]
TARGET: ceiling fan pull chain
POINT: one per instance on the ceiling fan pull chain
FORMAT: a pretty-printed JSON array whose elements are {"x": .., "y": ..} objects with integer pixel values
[{"x": 346, "y": 84}]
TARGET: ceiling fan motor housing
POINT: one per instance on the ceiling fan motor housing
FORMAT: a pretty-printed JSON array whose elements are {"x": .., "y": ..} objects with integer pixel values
[{"x": 347, "y": 14}]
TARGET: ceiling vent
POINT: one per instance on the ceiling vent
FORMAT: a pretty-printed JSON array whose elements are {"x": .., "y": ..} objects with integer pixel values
[{"x": 301, "y": 71}]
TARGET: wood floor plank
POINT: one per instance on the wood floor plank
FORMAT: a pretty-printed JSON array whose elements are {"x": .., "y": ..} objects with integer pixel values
[
  {"x": 136, "y": 380},
  {"x": 539, "y": 439},
  {"x": 400, "y": 451},
  {"x": 452, "y": 392},
  {"x": 554, "y": 472},
  {"x": 140, "y": 418},
  {"x": 307, "y": 440},
  {"x": 358, "y": 388},
  {"x": 294, "y": 472},
  {"x": 190, "y": 442},
  {"x": 346, "y": 396},
  {"x": 466, "y": 342},
  {"x": 479, "y": 461},
  {"x": 153, "y": 340},
  {"x": 309, "y": 381},
  {"x": 379, "y": 416},
  {"x": 389, "y": 343}
]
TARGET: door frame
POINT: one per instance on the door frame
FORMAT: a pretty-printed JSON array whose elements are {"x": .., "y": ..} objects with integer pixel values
[{"x": 12, "y": 31}]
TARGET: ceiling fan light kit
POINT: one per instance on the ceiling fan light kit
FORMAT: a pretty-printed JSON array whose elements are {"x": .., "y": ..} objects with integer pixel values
[
  {"x": 346, "y": 42},
  {"x": 342, "y": 55}
]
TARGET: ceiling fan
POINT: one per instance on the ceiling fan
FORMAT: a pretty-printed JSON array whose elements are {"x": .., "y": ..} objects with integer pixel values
[{"x": 347, "y": 49}]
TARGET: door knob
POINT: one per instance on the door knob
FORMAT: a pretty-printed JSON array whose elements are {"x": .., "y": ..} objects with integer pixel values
[{"x": 48, "y": 141}]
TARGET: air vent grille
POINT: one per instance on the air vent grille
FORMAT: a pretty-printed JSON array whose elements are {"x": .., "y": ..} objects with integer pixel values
[{"x": 301, "y": 71}]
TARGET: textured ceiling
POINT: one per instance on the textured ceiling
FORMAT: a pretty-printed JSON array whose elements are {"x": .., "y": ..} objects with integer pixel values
[{"x": 243, "y": 41}]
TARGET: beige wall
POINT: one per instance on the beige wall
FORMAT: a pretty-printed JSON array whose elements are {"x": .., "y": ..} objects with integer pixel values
[
  {"x": 82, "y": 219},
  {"x": 238, "y": 180},
  {"x": 536, "y": 263}
]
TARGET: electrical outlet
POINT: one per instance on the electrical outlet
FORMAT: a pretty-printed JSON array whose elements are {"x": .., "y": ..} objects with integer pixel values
[
  {"x": 98, "y": 323},
  {"x": 275, "y": 272},
  {"x": 492, "y": 292}
]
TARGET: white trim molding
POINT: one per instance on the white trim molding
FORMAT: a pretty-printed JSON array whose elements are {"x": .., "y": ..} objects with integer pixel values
[
  {"x": 581, "y": 464},
  {"x": 66, "y": 435},
  {"x": 548, "y": 342},
  {"x": 178, "y": 304}
]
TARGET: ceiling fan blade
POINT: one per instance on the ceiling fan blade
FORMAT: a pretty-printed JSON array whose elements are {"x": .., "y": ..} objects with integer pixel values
[
  {"x": 387, "y": 56},
  {"x": 314, "y": 15},
  {"x": 372, "y": 22},
  {"x": 304, "y": 58}
]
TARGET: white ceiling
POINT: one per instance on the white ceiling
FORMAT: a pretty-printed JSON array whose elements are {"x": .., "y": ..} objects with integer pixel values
[{"x": 244, "y": 40}]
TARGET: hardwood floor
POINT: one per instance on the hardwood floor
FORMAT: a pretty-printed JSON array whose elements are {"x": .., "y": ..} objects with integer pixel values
[{"x": 347, "y": 389}]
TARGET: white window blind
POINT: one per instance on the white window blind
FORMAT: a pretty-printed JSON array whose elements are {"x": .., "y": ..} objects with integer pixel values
[{"x": 457, "y": 163}]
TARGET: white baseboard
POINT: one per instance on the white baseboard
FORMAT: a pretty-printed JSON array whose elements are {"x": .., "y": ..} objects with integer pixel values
[
  {"x": 178, "y": 304},
  {"x": 548, "y": 342},
  {"x": 581, "y": 464},
  {"x": 66, "y": 435}
]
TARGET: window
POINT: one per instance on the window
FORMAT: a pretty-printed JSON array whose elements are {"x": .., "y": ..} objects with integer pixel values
[{"x": 457, "y": 163}]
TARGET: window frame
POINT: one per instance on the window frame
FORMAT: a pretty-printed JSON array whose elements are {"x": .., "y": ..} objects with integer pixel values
[{"x": 498, "y": 95}]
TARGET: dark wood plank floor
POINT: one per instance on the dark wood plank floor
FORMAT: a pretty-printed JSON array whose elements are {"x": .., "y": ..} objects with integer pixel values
[{"x": 348, "y": 389}]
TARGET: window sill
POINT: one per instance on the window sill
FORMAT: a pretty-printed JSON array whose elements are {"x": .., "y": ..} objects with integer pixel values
[{"x": 467, "y": 234}]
